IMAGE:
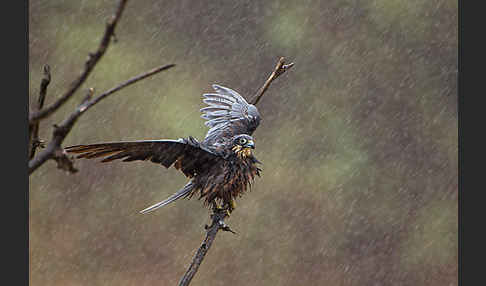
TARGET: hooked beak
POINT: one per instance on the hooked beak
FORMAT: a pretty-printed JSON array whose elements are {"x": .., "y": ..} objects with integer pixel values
[{"x": 250, "y": 144}]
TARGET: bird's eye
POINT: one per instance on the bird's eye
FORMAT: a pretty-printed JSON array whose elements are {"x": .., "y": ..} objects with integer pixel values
[{"x": 242, "y": 141}]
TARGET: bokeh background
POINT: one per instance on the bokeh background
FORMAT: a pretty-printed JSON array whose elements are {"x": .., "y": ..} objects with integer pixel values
[{"x": 359, "y": 143}]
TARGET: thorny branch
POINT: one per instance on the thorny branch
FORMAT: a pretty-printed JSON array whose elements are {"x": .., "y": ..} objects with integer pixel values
[
  {"x": 93, "y": 59},
  {"x": 54, "y": 150},
  {"x": 219, "y": 215}
]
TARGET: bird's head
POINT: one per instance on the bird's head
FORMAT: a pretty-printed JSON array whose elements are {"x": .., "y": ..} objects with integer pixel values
[{"x": 242, "y": 145}]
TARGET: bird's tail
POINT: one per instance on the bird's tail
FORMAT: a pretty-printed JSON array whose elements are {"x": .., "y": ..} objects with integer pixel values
[{"x": 181, "y": 193}]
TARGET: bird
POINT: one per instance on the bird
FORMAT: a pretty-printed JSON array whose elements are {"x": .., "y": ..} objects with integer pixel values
[{"x": 220, "y": 168}]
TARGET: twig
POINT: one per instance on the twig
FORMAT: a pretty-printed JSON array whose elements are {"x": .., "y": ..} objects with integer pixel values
[
  {"x": 129, "y": 82},
  {"x": 54, "y": 150},
  {"x": 217, "y": 224},
  {"x": 280, "y": 68},
  {"x": 88, "y": 67},
  {"x": 34, "y": 140}
]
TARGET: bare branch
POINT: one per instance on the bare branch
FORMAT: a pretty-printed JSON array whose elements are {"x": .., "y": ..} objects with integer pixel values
[
  {"x": 53, "y": 149},
  {"x": 129, "y": 82},
  {"x": 280, "y": 68},
  {"x": 217, "y": 224},
  {"x": 88, "y": 67},
  {"x": 34, "y": 140}
]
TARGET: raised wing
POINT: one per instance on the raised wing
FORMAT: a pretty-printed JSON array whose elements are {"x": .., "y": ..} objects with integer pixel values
[
  {"x": 228, "y": 114},
  {"x": 186, "y": 155}
]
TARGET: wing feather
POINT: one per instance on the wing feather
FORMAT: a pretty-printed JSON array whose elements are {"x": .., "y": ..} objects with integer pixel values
[
  {"x": 228, "y": 114},
  {"x": 186, "y": 155}
]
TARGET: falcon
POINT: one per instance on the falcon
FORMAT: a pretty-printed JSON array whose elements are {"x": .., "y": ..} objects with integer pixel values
[{"x": 220, "y": 168}]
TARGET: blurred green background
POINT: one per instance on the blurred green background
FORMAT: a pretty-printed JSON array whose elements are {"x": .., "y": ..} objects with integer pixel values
[{"x": 359, "y": 143}]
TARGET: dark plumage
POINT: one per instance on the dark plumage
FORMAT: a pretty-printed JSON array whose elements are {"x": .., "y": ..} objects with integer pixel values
[{"x": 220, "y": 168}]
